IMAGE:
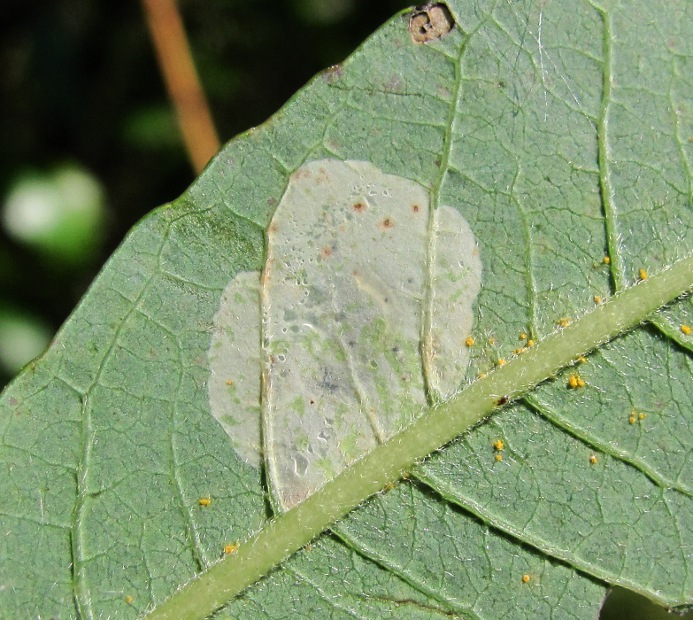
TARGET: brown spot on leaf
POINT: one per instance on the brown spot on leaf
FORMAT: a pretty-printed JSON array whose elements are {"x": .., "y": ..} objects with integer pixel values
[
  {"x": 359, "y": 207},
  {"x": 387, "y": 223},
  {"x": 326, "y": 252},
  {"x": 322, "y": 177},
  {"x": 415, "y": 208},
  {"x": 430, "y": 22},
  {"x": 395, "y": 85},
  {"x": 301, "y": 173}
]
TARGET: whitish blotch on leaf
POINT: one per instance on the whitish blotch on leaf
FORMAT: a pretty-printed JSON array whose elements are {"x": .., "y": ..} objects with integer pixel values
[{"x": 356, "y": 324}]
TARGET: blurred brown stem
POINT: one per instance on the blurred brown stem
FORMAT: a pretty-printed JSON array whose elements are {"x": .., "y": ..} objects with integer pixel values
[{"x": 175, "y": 61}]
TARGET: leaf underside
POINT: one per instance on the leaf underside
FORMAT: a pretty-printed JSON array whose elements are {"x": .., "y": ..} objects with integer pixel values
[{"x": 562, "y": 133}]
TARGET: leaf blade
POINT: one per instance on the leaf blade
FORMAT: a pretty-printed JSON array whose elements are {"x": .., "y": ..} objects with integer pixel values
[
  {"x": 438, "y": 426},
  {"x": 523, "y": 168}
]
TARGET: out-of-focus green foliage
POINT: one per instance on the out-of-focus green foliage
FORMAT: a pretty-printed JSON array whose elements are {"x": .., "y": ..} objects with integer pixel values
[
  {"x": 22, "y": 337},
  {"x": 59, "y": 216}
]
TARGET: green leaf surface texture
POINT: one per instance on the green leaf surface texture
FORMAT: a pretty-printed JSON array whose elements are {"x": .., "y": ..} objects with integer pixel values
[{"x": 562, "y": 132}]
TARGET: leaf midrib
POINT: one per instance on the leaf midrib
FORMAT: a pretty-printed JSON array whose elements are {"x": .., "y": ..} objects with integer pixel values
[{"x": 437, "y": 426}]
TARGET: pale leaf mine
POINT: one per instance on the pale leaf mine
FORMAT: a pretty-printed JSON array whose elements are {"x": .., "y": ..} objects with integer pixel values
[{"x": 338, "y": 325}]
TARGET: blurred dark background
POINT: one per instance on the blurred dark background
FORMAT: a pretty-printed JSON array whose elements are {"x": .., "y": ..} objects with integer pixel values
[{"x": 90, "y": 142}]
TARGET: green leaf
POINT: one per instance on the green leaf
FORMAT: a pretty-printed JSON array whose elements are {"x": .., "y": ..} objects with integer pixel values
[{"x": 561, "y": 133}]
